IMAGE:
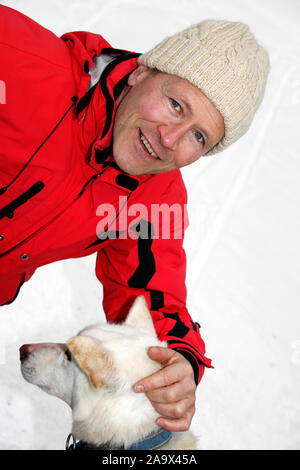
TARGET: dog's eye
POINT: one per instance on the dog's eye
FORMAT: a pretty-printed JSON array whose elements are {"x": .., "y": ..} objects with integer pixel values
[{"x": 68, "y": 354}]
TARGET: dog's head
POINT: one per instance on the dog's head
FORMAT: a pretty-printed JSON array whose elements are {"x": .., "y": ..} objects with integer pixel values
[{"x": 94, "y": 372}]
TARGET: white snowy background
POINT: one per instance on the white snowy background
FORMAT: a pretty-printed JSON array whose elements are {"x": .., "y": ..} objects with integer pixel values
[{"x": 242, "y": 246}]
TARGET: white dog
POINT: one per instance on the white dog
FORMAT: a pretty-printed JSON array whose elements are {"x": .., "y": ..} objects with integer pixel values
[{"x": 94, "y": 373}]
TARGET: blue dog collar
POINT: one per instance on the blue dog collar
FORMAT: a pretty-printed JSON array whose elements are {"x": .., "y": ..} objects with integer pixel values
[{"x": 153, "y": 441}]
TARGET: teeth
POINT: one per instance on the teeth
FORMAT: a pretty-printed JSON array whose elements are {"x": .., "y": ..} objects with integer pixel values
[{"x": 148, "y": 146}]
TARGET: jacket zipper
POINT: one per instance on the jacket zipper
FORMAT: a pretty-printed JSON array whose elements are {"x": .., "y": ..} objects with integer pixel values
[
  {"x": 54, "y": 218},
  {"x": 8, "y": 210},
  {"x": 95, "y": 176}
]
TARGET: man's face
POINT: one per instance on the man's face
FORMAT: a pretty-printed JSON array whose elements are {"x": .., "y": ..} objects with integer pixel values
[{"x": 162, "y": 123}]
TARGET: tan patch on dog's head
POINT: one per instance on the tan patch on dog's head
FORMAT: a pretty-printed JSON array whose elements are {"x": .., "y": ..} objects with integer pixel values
[{"x": 92, "y": 358}]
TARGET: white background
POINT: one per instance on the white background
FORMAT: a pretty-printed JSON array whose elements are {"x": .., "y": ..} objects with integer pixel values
[{"x": 243, "y": 273}]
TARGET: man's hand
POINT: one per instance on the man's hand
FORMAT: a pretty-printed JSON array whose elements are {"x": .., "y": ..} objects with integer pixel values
[{"x": 171, "y": 390}]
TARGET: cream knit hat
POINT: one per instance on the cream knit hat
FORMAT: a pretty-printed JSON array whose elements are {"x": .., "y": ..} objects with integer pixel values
[{"x": 225, "y": 62}]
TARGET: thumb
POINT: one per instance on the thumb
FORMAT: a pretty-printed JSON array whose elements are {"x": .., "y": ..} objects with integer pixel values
[{"x": 160, "y": 354}]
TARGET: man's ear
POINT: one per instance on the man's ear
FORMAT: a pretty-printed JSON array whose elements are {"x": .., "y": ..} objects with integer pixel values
[
  {"x": 92, "y": 358},
  {"x": 138, "y": 75}
]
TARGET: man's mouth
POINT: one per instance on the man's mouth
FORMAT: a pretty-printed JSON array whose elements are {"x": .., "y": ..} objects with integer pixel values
[{"x": 147, "y": 145}]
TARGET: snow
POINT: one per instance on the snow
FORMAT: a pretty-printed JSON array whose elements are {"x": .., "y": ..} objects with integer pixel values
[{"x": 242, "y": 247}]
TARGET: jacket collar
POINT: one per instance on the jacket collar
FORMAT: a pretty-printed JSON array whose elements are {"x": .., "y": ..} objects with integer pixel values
[
  {"x": 153, "y": 441},
  {"x": 105, "y": 93}
]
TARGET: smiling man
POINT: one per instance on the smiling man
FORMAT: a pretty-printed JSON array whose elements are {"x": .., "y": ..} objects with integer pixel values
[
  {"x": 163, "y": 123},
  {"x": 85, "y": 126}
]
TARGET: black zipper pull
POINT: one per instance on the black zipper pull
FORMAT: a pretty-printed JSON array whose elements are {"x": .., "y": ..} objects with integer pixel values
[
  {"x": 2, "y": 190},
  {"x": 88, "y": 182},
  {"x": 9, "y": 209}
]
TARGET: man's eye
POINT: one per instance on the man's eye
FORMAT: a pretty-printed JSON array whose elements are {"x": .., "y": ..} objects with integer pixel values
[
  {"x": 175, "y": 104},
  {"x": 199, "y": 136}
]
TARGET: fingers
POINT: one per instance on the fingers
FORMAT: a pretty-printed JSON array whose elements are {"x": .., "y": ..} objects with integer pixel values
[
  {"x": 176, "y": 368},
  {"x": 179, "y": 424},
  {"x": 175, "y": 404},
  {"x": 161, "y": 355},
  {"x": 166, "y": 376},
  {"x": 176, "y": 410},
  {"x": 171, "y": 390},
  {"x": 173, "y": 393}
]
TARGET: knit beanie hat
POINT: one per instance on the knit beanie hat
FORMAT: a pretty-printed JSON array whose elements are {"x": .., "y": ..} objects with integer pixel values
[{"x": 225, "y": 62}]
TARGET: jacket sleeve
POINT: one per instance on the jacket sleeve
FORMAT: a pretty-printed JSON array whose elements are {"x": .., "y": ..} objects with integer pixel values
[{"x": 146, "y": 263}]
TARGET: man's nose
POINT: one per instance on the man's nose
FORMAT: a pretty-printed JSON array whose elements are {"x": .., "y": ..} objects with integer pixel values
[{"x": 171, "y": 134}]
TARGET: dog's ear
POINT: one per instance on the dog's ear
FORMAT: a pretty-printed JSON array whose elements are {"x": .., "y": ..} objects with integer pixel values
[
  {"x": 92, "y": 358},
  {"x": 139, "y": 316}
]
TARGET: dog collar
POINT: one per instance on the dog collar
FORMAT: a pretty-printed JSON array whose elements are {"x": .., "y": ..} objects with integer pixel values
[{"x": 153, "y": 441}]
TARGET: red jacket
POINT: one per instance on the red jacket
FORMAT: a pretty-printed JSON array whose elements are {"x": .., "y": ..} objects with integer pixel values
[{"x": 55, "y": 181}]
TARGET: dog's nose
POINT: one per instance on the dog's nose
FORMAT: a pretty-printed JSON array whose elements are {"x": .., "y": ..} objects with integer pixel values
[
  {"x": 27, "y": 349},
  {"x": 24, "y": 351}
]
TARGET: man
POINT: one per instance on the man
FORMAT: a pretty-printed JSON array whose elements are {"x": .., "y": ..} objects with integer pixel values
[{"x": 90, "y": 133}]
